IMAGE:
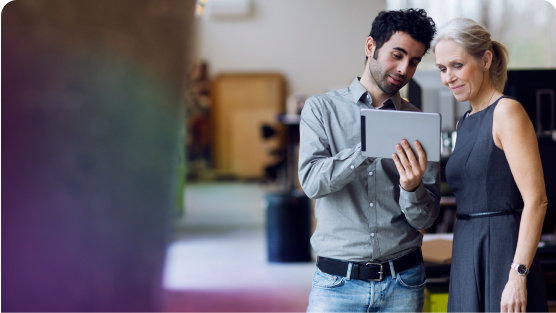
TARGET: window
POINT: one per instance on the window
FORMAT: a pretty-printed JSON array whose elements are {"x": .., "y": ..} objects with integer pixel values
[{"x": 524, "y": 27}]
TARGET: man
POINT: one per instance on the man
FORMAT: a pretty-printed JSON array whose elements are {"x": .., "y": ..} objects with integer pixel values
[{"x": 369, "y": 210}]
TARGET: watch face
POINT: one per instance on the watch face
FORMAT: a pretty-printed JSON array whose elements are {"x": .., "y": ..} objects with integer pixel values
[{"x": 520, "y": 269}]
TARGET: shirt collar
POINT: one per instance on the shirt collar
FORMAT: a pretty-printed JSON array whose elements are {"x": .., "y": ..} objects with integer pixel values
[{"x": 359, "y": 93}]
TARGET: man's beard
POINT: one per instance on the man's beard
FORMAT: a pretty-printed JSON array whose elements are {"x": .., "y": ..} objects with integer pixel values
[{"x": 383, "y": 83}]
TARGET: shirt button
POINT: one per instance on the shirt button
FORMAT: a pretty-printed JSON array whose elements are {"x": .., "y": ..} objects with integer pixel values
[
  {"x": 372, "y": 234},
  {"x": 371, "y": 204},
  {"x": 370, "y": 173},
  {"x": 352, "y": 167}
]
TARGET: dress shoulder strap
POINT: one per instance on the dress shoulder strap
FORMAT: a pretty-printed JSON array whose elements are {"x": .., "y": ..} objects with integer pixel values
[{"x": 501, "y": 97}]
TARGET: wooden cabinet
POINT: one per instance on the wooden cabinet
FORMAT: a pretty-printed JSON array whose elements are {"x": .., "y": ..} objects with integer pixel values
[{"x": 242, "y": 104}]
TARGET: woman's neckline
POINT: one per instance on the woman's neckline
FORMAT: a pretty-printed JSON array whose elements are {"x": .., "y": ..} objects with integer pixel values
[{"x": 469, "y": 114}]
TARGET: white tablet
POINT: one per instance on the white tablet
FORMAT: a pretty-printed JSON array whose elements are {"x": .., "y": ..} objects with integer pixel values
[{"x": 381, "y": 130}]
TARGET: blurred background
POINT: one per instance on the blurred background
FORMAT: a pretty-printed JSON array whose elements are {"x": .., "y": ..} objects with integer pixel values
[{"x": 149, "y": 147}]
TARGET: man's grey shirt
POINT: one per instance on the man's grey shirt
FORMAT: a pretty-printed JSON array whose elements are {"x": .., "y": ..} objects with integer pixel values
[{"x": 362, "y": 213}]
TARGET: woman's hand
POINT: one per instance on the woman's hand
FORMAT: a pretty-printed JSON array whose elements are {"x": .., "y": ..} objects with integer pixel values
[{"x": 514, "y": 296}]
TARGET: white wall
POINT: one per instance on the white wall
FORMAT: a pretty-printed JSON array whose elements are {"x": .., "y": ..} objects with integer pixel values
[{"x": 316, "y": 44}]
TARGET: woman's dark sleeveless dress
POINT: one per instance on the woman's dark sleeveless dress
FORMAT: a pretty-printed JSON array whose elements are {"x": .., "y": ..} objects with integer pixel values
[{"x": 484, "y": 247}]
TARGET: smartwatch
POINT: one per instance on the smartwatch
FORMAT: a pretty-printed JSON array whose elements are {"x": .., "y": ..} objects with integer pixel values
[{"x": 521, "y": 269}]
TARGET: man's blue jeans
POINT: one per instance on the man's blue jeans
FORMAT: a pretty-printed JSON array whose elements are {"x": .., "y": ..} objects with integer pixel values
[{"x": 399, "y": 292}]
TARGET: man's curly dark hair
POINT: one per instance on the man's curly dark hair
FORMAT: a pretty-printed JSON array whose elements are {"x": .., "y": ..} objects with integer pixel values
[{"x": 415, "y": 22}]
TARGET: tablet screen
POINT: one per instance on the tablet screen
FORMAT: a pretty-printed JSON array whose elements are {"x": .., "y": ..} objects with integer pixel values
[{"x": 381, "y": 130}]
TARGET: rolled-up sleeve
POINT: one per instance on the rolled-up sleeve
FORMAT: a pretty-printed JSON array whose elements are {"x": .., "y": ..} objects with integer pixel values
[
  {"x": 421, "y": 206},
  {"x": 320, "y": 172}
]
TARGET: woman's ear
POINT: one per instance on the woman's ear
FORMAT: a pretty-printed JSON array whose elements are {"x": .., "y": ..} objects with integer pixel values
[{"x": 487, "y": 60}]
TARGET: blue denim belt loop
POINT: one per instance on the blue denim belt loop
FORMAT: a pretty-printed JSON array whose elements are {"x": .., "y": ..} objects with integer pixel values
[
  {"x": 392, "y": 269},
  {"x": 348, "y": 274}
]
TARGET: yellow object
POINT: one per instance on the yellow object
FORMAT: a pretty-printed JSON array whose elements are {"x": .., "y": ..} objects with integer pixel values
[{"x": 435, "y": 302}]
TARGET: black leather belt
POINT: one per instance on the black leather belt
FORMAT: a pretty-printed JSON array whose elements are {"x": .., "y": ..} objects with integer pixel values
[
  {"x": 464, "y": 216},
  {"x": 370, "y": 271}
]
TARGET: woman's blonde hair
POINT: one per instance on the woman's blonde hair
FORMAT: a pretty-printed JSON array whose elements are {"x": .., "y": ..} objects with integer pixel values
[{"x": 476, "y": 40}]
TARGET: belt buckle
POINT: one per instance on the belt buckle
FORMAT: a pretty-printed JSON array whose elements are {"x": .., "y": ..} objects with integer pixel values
[{"x": 379, "y": 272}]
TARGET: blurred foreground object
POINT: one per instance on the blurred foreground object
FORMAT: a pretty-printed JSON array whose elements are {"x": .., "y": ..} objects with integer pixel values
[{"x": 92, "y": 112}]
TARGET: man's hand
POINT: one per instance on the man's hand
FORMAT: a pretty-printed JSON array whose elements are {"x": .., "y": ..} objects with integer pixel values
[{"x": 410, "y": 168}]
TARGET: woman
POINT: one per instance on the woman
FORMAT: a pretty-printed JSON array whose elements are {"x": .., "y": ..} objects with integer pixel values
[{"x": 496, "y": 174}]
